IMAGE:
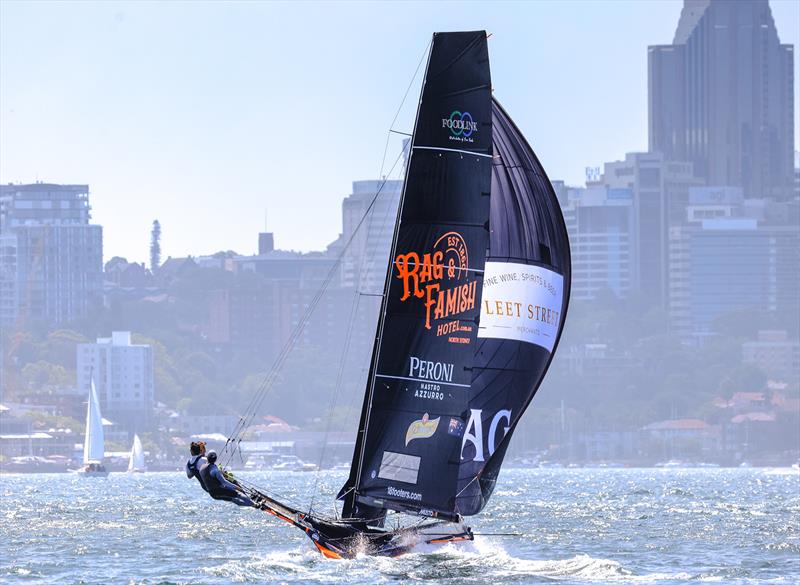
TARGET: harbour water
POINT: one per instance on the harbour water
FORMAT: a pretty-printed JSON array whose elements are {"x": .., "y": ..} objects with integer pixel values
[{"x": 571, "y": 525}]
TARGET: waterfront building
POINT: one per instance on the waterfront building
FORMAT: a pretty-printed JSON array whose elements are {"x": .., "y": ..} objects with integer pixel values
[
  {"x": 263, "y": 315},
  {"x": 775, "y": 354},
  {"x": 123, "y": 377},
  {"x": 51, "y": 257},
  {"x": 721, "y": 96},
  {"x": 188, "y": 424}
]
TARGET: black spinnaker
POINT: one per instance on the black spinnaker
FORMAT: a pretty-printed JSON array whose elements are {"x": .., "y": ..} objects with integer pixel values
[{"x": 473, "y": 308}]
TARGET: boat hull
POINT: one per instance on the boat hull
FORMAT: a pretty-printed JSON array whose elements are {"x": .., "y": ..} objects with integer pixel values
[
  {"x": 346, "y": 540},
  {"x": 93, "y": 470},
  {"x": 383, "y": 544},
  {"x": 84, "y": 473}
]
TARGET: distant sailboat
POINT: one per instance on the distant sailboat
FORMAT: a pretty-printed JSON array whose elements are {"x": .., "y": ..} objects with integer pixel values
[
  {"x": 94, "y": 443},
  {"x": 136, "y": 463}
]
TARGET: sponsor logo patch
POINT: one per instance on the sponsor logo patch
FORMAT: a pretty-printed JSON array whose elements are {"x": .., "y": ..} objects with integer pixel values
[
  {"x": 440, "y": 279},
  {"x": 461, "y": 126},
  {"x": 421, "y": 429},
  {"x": 405, "y": 494},
  {"x": 521, "y": 302},
  {"x": 438, "y": 371}
]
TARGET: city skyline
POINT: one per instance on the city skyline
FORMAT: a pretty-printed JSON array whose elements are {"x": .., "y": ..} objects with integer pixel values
[{"x": 182, "y": 139}]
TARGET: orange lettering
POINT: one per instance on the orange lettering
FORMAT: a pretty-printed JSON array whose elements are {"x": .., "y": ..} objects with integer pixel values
[{"x": 407, "y": 270}]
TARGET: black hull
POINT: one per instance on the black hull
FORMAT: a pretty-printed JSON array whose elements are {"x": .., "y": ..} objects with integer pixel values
[{"x": 346, "y": 539}]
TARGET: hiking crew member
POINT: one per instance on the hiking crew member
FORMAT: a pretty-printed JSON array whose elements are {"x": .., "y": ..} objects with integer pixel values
[
  {"x": 196, "y": 461},
  {"x": 220, "y": 488}
]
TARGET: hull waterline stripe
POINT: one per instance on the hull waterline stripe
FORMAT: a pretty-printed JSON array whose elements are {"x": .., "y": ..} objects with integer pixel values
[
  {"x": 422, "y": 380},
  {"x": 469, "y": 152},
  {"x": 326, "y": 552}
]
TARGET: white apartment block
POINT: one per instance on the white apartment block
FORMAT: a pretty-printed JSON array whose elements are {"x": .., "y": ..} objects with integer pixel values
[{"x": 123, "y": 376}]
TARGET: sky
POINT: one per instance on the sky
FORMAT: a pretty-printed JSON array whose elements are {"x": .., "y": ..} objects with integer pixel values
[{"x": 221, "y": 119}]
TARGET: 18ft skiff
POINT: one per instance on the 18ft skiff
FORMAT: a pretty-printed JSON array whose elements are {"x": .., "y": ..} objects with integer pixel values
[{"x": 472, "y": 310}]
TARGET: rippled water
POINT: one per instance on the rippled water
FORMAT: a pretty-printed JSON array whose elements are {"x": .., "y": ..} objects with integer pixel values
[{"x": 576, "y": 526}]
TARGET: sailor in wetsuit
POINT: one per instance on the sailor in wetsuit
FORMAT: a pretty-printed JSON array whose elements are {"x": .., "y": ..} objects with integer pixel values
[
  {"x": 196, "y": 461},
  {"x": 220, "y": 488}
]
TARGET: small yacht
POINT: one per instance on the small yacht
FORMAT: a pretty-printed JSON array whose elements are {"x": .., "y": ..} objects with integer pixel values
[
  {"x": 94, "y": 443},
  {"x": 136, "y": 463}
]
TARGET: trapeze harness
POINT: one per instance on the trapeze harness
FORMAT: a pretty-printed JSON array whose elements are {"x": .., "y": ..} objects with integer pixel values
[{"x": 192, "y": 470}]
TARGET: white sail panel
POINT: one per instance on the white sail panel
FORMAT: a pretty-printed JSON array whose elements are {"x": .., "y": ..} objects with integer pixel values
[
  {"x": 522, "y": 302},
  {"x": 94, "y": 444},
  {"x": 136, "y": 462}
]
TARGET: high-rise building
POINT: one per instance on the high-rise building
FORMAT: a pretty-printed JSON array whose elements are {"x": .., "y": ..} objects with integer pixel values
[
  {"x": 51, "y": 257},
  {"x": 366, "y": 260},
  {"x": 721, "y": 96},
  {"x": 123, "y": 377},
  {"x": 660, "y": 191},
  {"x": 601, "y": 228}
]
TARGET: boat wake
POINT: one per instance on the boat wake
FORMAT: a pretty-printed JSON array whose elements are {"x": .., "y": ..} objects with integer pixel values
[
  {"x": 473, "y": 561},
  {"x": 463, "y": 563}
]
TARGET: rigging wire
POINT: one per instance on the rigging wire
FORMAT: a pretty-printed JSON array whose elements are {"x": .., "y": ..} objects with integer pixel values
[
  {"x": 400, "y": 107},
  {"x": 364, "y": 270},
  {"x": 335, "y": 395},
  {"x": 367, "y": 265},
  {"x": 233, "y": 442}
]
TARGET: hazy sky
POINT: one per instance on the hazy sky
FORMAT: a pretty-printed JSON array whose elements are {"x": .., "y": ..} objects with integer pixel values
[{"x": 205, "y": 115}]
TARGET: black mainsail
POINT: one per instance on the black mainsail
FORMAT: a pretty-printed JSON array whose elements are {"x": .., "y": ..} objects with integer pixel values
[
  {"x": 421, "y": 369},
  {"x": 473, "y": 308}
]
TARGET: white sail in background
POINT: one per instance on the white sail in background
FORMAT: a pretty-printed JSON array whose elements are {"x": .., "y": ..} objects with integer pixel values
[
  {"x": 94, "y": 445},
  {"x": 136, "y": 462}
]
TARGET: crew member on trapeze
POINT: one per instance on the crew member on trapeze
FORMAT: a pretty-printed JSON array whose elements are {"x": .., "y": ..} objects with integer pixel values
[
  {"x": 220, "y": 488},
  {"x": 196, "y": 461}
]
